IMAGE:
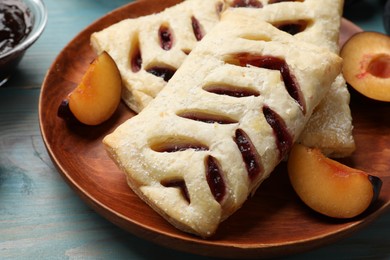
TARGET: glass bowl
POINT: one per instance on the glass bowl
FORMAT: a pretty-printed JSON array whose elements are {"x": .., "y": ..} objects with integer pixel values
[{"x": 35, "y": 16}]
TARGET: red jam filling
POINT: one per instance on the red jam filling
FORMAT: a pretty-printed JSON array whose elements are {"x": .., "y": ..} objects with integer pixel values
[
  {"x": 231, "y": 91},
  {"x": 249, "y": 154},
  {"x": 136, "y": 61},
  {"x": 215, "y": 179},
  {"x": 165, "y": 73},
  {"x": 165, "y": 36},
  {"x": 247, "y": 3},
  {"x": 207, "y": 118},
  {"x": 281, "y": 1},
  {"x": 179, "y": 184},
  {"x": 292, "y": 27},
  {"x": 283, "y": 137},
  {"x": 196, "y": 27}
]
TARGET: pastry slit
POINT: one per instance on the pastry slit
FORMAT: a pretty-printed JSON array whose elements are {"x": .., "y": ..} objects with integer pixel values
[
  {"x": 160, "y": 145},
  {"x": 249, "y": 154},
  {"x": 274, "y": 63},
  {"x": 165, "y": 36},
  {"x": 256, "y": 37},
  {"x": 330, "y": 128},
  {"x": 284, "y": 140},
  {"x": 171, "y": 144},
  {"x": 162, "y": 71},
  {"x": 292, "y": 27},
  {"x": 178, "y": 184},
  {"x": 215, "y": 179},
  {"x": 247, "y": 3},
  {"x": 207, "y": 117},
  {"x": 135, "y": 56},
  {"x": 197, "y": 28},
  {"x": 232, "y": 91},
  {"x": 280, "y": 1}
]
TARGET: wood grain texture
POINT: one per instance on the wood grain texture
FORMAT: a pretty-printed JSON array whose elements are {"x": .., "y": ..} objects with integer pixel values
[{"x": 41, "y": 217}]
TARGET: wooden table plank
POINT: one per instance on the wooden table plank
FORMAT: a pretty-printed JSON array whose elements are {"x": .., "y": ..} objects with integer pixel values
[{"x": 42, "y": 218}]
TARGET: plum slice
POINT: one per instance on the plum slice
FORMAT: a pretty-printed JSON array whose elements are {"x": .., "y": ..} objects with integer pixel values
[
  {"x": 330, "y": 187},
  {"x": 97, "y": 96}
]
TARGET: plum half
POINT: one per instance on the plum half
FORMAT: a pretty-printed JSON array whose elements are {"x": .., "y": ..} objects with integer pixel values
[{"x": 366, "y": 64}]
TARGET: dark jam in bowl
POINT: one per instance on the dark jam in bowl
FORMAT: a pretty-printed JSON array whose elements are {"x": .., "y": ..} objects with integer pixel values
[{"x": 15, "y": 24}]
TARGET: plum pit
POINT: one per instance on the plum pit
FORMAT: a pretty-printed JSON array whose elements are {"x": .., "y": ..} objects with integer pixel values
[{"x": 380, "y": 66}]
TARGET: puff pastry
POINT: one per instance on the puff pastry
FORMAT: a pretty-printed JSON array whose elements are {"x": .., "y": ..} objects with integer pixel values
[
  {"x": 141, "y": 48},
  {"x": 318, "y": 22},
  {"x": 146, "y": 62},
  {"x": 223, "y": 122}
]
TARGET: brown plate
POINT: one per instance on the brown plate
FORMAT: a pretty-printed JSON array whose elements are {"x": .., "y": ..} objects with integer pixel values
[{"x": 272, "y": 223}]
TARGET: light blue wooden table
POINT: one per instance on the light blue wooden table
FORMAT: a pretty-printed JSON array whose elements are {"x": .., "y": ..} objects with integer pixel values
[{"x": 42, "y": 218}]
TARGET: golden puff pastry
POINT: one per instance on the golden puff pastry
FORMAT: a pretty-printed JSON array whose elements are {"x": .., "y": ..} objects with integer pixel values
[
  {"x": 317, "y": 22},
  {"x": 223, "y": 122},
  {"x": 149, "y": 49}
]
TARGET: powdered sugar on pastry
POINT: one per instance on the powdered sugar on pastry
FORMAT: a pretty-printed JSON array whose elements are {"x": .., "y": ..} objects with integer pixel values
[
  {"x": 317, "y": 22},
  {"x": 223, "y": 122},
  {"x": 149, "y": 49},
  {"x": 147, "y": 63}
]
